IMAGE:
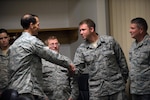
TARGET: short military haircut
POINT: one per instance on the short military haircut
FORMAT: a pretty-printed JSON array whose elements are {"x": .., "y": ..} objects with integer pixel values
[
  {"x": 26, "y": 19},
  {"x": 89, "y": 22},
  {"x": 2, "y": 30},
  {"x": 50, "y": 38},
  {"x": 141, "y": 23}
]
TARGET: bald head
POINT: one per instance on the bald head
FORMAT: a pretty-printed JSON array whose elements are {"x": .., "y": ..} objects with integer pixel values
[{"x": 27, "y": 19}]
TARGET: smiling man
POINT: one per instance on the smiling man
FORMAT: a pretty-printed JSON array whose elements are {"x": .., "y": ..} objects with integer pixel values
[{"x": 139, "y": 57}]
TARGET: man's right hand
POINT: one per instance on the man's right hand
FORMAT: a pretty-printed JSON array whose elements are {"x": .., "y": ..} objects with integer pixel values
[{"x": 72, "y": 68}]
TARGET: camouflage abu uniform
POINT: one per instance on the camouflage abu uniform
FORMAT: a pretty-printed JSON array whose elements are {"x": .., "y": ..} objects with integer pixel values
[
  {"x": 26, "y": 66},
  {"x": 58, "y": 83},
  {"x": 106, "y": 65},
  {"x": 140, "y": 66},
  {"x": 3, "y": 71}
]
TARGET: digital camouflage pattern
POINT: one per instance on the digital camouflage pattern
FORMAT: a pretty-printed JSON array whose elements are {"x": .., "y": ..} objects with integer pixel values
[
  {"x": 139, "y": 57},
  {"x": 3, "y": 71},
  {"x": 58, "y": 83},
  {"x": 106, "y": 65},
  {"x": 25, "y": 64}
]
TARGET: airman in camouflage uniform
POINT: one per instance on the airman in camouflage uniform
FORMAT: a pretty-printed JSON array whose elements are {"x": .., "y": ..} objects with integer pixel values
[
  {"x": 59, "y": 84},
  {"x": 25, "y": 64},
  {"x": 139, "y": 57},
  {"x": 4, "y": 45},
  {"x": 104, "y": 60}
]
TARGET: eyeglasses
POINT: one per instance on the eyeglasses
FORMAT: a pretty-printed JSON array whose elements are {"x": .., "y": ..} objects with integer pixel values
[{"x": 54, "y": 44}]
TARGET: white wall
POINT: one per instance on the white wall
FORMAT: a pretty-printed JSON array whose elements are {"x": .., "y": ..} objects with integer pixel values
[
  {"x": 55, "y": 14},
  {"x": 52, "y": 13}
]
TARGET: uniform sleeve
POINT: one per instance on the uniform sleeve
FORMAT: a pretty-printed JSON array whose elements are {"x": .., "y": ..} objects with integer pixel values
[
  {"x": 74, "y": 87},
  {"x": 44, "y": 52},
  {"x": 79, "y": 60},
  {"x": 121, "y": 61}
]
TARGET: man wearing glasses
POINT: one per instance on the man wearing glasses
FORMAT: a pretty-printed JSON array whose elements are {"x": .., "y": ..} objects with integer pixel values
[{"x": 59, "y": 84}]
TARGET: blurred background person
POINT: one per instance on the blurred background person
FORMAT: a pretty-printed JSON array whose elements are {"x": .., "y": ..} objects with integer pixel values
[
  {"x": 9, "y": 94},
  {"x": 59, "y": 83},
  {"x": 4, "y": 45}
]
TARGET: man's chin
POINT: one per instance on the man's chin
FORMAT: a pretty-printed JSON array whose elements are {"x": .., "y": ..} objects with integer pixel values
[
  {"x": 84, "y": 38},
  {"x": 36, "y": 33}
]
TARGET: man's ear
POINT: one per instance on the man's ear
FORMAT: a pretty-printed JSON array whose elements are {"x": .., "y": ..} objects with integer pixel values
[
  {"x": 31, "y": 25},
  {"x": 91, "y": 29},
  {"x": 141, "y": 30}
]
